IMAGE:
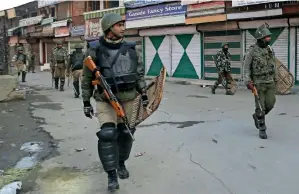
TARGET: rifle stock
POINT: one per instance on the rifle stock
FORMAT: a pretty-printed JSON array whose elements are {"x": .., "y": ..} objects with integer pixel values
[{"x": 89, "y": 63}]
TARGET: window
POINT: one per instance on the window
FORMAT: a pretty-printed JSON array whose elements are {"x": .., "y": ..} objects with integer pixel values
[
  {"x": 93, "y": 5},
  {"x": 110, "y": 4},
  {"x": 33, "y": 14},
  {"x": 52, "y": 11}
]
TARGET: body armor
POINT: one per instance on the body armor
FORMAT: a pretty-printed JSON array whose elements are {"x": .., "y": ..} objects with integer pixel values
[
  {"x": 60, "y": 55},
  {"x": 124, "y": 69},
  {"x": 77, "y": 61},
  {"x": 263, "y": 64},
  {"x": 22, "y": 57}
]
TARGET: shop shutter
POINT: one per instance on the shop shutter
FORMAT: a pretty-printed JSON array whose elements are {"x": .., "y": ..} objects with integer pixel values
[{"x": 212, "y": 44}]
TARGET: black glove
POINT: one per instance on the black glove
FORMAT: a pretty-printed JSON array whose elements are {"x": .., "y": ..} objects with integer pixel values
[
  {"x": 88, "y": 110},
  {"x": 144, "y": 99}
]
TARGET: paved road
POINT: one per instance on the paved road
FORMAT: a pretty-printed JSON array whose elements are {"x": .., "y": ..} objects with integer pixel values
[{"x": 195, "y": 143}]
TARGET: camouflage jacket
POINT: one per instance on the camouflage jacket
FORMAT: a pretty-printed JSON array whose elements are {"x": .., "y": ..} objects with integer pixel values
[
  {"x": 223, "y": 61},
  {"x": 55, "y": 53},
  {"x": 260, "y": 65},
  {"x": 88, "y": 89}
]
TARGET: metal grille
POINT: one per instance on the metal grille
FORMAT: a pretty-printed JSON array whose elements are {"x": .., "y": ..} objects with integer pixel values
[{"x": 4, "y": 54}]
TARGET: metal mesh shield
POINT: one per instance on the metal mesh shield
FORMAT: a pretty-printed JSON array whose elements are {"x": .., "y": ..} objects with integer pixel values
[
  {"x": 155, "y": 93},
  {"x": 285, "y": 79}
]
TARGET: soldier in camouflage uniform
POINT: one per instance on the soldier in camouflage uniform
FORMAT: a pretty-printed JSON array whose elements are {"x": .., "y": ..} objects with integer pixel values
[
  {"x": 75, "y": 66},
  {"x": 223, "y": 65},
  {"x": 31, "y": 57},
  {"x": 260, "y": 71},
  {"x": 21, "y": 61},
  {"x": 114, "y": 141},
  {"x": 58, "y": 64}
]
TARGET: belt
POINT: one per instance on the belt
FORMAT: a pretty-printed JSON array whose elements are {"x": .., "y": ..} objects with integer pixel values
[{"x": 60, "y": 61}]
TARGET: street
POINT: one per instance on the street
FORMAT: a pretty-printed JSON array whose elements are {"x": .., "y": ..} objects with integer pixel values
[{"x": 196, "y": 142}]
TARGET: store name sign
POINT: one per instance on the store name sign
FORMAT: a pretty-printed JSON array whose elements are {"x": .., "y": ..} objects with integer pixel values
[
  {"x": 238, "y": 3},
  {"x": 156, "y": 11}
]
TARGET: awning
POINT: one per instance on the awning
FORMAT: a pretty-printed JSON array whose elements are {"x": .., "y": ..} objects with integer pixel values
[
  {"x": 12, "y": 30},
  {"x": 30, "y": 21},
  {"x": 61, "y": 23},
  {"x": 47, "y": 21},
  {"x": 101, "y": 13}
]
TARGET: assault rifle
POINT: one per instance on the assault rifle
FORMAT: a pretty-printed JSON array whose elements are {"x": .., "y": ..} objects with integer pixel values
[
  {"x": 257, "y": 98},
  {"x": 89, "y": 63}
]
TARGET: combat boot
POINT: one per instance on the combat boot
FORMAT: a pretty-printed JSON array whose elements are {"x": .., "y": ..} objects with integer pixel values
[
  {"x": 263, "y": 134},
  {"x": 122, "y": 172},
  {"x": 56, "y": 80},
  {"x": 23, "y": 76},
  {"x": 62, "y": 84},
  {"x": 260, "y": 125},
  {"x": 112, "y": 180}
]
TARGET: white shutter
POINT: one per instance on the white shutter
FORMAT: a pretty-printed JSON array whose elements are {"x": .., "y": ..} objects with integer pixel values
[
  {"x": 150, "y": 53},
  {"x": 164, "y": 53},
  {"x": 297, "y": 68},
  {"x": 281, "y": 47},
  {"x": 177, "y": 52},
  {"x": 250, "y": 40}
]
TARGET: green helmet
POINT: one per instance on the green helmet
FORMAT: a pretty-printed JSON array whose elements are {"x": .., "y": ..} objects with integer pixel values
[
  {"x": 223, "y": 44},
  {"x": 20, "y": 48},
  {"x": 109, "y": 20},
  {"x": 78, "y": 46},
  {"x": 262, "y": 31},
  {"x": 59, "y": 42}
]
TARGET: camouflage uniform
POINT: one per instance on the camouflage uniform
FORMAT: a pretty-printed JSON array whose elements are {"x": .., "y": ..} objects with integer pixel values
[
  {"x": 31, "y": 57},
  {"x": 21, "y": 61},
  {"x": 223, "y": 65},
  {"x": 114, "y": 141},
  {"x": 75, "y": 66},
  {"x": 58, "y": 64},
  {"x": 260, "y": 71}
]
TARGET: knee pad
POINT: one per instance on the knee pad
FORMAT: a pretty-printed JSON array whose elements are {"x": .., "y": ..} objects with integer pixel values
[{"x": 108, "y": 132}]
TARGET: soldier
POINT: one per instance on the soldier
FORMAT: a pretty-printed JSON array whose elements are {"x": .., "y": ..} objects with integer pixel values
[
  {"x": 31, "y": 57},
  {"x": 224, "y": 68},
  {"x": 76, "y": 65},
  {"x": 20, "y": 61},
  {"x": 114, "y": 141},
  {"x": 260, "y": 72},
  {"x": 59, "y": 61}
]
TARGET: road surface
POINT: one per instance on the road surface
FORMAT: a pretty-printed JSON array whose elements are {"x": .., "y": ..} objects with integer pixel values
[{"x": 195, "y": 143}]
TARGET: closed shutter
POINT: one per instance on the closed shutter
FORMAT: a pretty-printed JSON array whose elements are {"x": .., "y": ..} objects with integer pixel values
[
  {"x": 279, "y": 42},
  {"x": 185, "y": 56},
  {"x": 157, "y": 54},
  {"x": 212, "y": 44},
  {"x": 297, "y": 67}
]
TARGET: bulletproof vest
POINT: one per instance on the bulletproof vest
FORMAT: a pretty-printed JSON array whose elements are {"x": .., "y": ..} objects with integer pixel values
[
  {"x": 124, "y": 70},
  {"x": 22, "y": 57},
  {"x": 77, "y": 60},
  {"x": 263, "y": 63},
  {"x": 60, "y": 54}
]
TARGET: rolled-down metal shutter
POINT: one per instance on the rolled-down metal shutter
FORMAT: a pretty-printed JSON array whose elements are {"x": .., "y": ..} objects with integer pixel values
[
  {"x": 186, "y": 56},
  {"x": 212, "y": 44},
  {"x": 297, "y": 67},
  {"x": 157, "y": 54}
]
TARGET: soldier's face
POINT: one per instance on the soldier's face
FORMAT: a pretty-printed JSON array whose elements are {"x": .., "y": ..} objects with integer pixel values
[
  {"x": 119, "y": 29},
  {"x": 267, "y": 38},
  {"x": 59, "y": 45},
  {"x": 20, "y": 52},
  {"x": 226, "y": 47}
]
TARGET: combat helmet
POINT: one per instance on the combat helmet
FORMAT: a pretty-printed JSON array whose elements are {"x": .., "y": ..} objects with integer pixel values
[
  {"x": 223, "y": 44},
  {"x": 78, "y": 46},
  {"x": 59, "y": 42},
  {"x": 109, "y": 20},
  {"x": 20, "y": 48},
  {"x": 262, "y": 31}
]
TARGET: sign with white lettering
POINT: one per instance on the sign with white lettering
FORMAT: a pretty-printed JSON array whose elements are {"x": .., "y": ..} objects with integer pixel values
[
  {"x": 238, "y": 3},
  {"x": 156, "y": 11}
]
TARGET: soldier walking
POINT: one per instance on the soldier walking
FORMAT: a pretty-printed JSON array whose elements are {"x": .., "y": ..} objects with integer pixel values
[
  {"x": 31, "y": 57},
  {"x": 59, "y": 61},
  {"x": 260, "y": 72},
  {"x": 126, "y": 79},
  {"x": 223, "y": 66},
  {"x": 20, "y": 61},
  {"x": 75, "y": 66}
]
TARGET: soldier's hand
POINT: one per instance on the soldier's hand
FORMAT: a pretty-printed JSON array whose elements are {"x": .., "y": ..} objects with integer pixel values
[
  {"x": 250, "y": 85},
  {"x": 144, "y": 99},
  {"x": 88, "y": 110}
]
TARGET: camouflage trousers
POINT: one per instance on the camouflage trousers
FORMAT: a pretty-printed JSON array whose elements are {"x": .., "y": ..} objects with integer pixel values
[
  {"x": 77, "y": 74},
  {"x": 266, "y": 92},
  {"x": 221, "y": 76},
  {"x": 106, "y": 113},
  {"x": 59, "y": 71},
  {"x": 31, "y": 67}
]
